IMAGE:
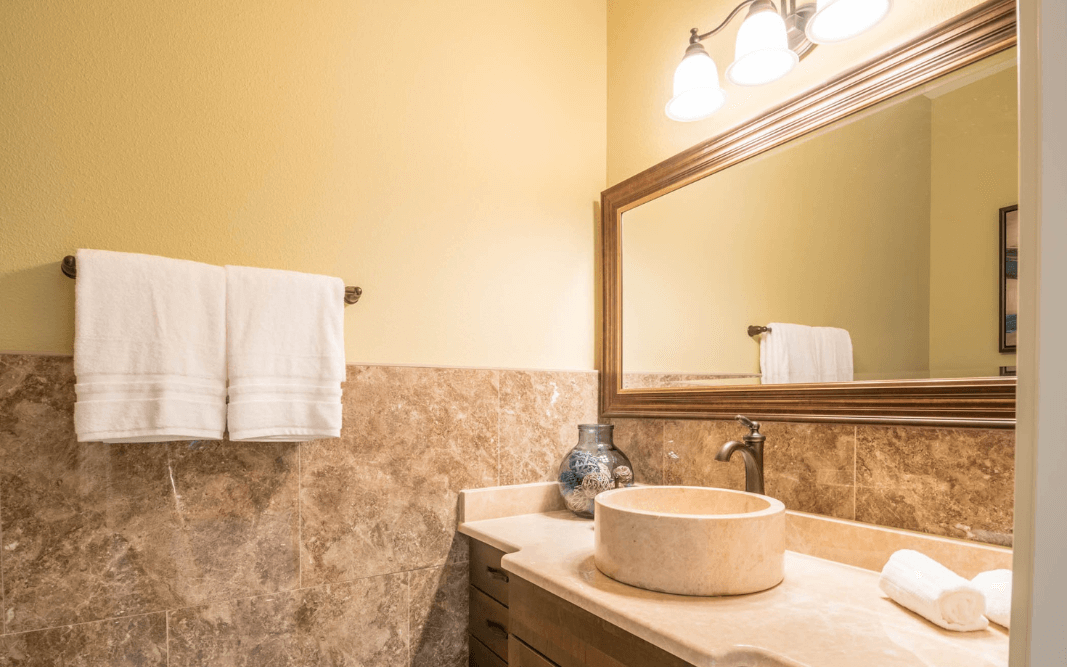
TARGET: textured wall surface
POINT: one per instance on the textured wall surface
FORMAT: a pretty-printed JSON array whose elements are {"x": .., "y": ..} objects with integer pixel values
[
  {"x": 450, "y": 177},
  {"x": 335, "y": 552},
  {"x": 849, "y": 248},
  {"x": 646, "y": 41},
  {"x": 952, "y": 482}
]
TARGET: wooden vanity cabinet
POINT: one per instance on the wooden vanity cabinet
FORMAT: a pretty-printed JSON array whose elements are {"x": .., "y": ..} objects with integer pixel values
[
  {"x": 522, "y": 625},
  {"x": 488, "y": 625}
]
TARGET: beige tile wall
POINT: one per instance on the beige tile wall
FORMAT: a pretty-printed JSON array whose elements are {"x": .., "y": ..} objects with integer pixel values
[
  {"x": 953, "y": 482},
  {"x": 338, "y": 552},
  {"x": 344, "y": 551}
]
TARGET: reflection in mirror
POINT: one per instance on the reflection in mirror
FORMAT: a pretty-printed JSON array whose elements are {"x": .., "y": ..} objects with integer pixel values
[{"x": 880, "y": 245}]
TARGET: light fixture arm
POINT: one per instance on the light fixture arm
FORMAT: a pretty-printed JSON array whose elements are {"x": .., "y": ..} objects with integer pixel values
[{"x": 695, "y": 36}]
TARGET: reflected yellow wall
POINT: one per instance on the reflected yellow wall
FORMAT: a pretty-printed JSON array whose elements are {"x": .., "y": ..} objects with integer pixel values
[
  {"x": 830, "y": 230},
  {"x": 445, "y": 156},
  {"x": 974, "y": 167},
  {"x": 646, "y": 41}
]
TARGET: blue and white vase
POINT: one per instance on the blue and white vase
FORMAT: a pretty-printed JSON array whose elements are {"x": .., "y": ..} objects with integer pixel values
[{"x": 593, "y": 466}]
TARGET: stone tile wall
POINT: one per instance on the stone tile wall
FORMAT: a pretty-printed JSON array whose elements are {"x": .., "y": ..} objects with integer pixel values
[
  {"x": 952, "y": 482},
  {"x": 337, "y": 552},
  {"x": 343, "y": 552}
]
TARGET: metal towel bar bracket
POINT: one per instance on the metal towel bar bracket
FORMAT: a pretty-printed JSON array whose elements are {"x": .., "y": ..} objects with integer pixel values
[
  {"x": 755, "y": 331},
  {"x": 70, "y": 270}
]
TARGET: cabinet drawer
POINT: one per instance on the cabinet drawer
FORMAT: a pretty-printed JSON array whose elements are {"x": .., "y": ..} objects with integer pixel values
[
  {"x": 489, "y": 622},
  {"x": 521, "y": 655},
  {"x": 481, "y": 656},
  {"x": 486, "y": 573}
]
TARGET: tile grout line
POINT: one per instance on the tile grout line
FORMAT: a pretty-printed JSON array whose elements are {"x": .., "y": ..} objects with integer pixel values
[
  {"x": 166, "y": 619},
  {"x": 98, "y": 620}
]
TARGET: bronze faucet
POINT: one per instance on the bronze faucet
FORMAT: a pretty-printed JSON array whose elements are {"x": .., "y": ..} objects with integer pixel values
[{"x": 752, "y": 450}]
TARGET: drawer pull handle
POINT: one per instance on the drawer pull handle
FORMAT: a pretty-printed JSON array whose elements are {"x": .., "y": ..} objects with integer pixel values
[
  {"x": 496, "y": 573},
  {"x": 497, "y": 629}
]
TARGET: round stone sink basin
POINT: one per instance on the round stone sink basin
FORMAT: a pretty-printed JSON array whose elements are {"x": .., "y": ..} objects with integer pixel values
[{"x": 690, "y": 540}]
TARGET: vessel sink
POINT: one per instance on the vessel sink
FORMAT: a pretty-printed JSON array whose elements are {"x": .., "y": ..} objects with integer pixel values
[{"x": 690, "y": 540}]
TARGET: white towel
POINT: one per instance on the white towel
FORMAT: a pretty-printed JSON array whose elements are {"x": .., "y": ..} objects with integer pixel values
[
  {"x": 996, "y": 586},
  {"x": 933, "y": 591},
  {"x": 833, "y": 354},
  {"x": 795, "y": 353},
  {"x": 286, "y": 354},
  {"x": 149, "y": 348}
]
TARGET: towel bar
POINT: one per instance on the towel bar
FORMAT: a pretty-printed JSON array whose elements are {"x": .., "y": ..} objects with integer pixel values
[
  {"x": 755, "y": 331},
  {"x": 70, "y": 270}
]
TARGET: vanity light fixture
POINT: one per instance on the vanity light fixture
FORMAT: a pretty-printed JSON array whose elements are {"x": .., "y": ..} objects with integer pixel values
[{"x": 769, "y": 45}]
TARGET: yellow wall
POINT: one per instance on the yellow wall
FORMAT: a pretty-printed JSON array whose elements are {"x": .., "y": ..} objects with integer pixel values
[
  {"x": 445, "y": 156},
  {"x": 974, "y": 167},
  {"x": 829, "y": 230},
  {"x": 646, "y": 41}
]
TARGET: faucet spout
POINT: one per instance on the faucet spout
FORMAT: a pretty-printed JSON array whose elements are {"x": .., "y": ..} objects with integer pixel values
[
  {"x": 728, "y": 450},
  {"x": 751, "y": 449}
]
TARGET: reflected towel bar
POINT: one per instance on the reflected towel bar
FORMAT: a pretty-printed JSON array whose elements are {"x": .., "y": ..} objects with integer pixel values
[
  {"x": 70, "y": 270},
  {"x": 754, "y": 331}
]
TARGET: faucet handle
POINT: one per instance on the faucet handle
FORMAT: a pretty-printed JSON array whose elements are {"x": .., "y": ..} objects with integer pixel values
[{"x": 748, "y": 423}]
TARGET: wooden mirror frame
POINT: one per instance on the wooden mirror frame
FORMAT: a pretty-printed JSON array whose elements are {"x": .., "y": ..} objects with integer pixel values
[{"x": 974, "y": 402}]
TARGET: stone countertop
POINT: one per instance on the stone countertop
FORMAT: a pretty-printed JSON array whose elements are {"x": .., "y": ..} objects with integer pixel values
[{"x": 825, "y": 614}]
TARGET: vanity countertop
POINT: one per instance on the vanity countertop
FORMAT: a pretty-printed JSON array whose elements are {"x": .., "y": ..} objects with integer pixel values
[{"x": 825, "y": 614}]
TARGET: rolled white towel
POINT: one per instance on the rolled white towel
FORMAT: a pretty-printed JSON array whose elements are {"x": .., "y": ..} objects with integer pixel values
[
  {"x": 933, "y": 591},
  {"x": 996, "y": 586}
]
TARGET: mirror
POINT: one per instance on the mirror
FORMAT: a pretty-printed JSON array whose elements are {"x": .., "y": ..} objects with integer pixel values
[
  {"x": 889, "y": 235},
  {"x": 863, "y": 219}
]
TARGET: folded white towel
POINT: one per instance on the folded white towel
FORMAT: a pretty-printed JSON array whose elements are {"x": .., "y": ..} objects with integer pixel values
[
  {"x": 833, "y": 354},
  {"x": 286, "y": 354},
  {"x": 149, "y": 348},
  {"x": 996, "y": 586},
  {"x": 933, "y": 591}
]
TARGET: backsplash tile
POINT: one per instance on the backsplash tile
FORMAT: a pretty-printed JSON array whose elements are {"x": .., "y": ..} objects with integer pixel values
[
  {"x": 329, "y": 552},
  {"x": 951, "y": 482},
  {"x": 383, "y": 497},
  {"x": 538, "y": 414},
  {"x": 357, "y": 623},
  {"x": 955, "y": 482},
  {"x": 344, "y": 551},
  {"x": 641, "y": 440},
  {"x": 811, "y": 467},
  {"x": 438, "y": 619},
  {"x": 92, "y": 531},
  {"x": 690, "y": 448},
  {"x": 138, "y": 641}
]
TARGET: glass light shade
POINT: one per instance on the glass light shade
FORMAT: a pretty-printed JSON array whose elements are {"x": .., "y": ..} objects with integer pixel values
[
  {"x": 697, "y": 94},
  {"x": 761, "y": 53},
  {"x": 838, "y": 20}
]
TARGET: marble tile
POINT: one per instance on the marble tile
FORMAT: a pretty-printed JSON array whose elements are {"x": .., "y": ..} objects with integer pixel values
[
  {"x": 362, "y": 623},
  {"x": 92, "y": 531},
  {"x": 539, "y": 416},
  {"x": 438, "y": 616},
  {"x": 811, "y": 467},
  {"x": 954, "y": 482},
  {"x": 642, "y": 441},
  {"x": 138, "y": 641},
  {"x": 383, "y": 497},
  {"x": 689, "y": 450}
]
